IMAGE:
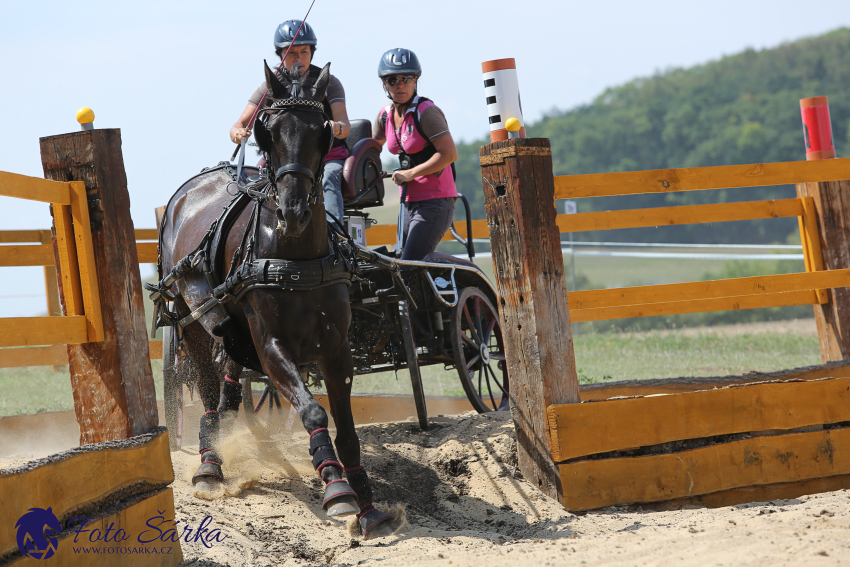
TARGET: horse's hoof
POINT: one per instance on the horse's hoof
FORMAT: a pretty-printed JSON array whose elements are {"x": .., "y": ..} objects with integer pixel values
[
  {"x": 340, "y": 499},
  {"x": 375, "y": 523},
  {"x": 342, "y": 507},
  {"x": 209, "y": 474},
  {"x": 207, "y": 486}
]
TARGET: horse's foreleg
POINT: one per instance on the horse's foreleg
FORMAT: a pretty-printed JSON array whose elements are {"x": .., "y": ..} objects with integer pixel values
[
  {"x": 339, "y": 498},
  {"x": 338, "y": 372}
]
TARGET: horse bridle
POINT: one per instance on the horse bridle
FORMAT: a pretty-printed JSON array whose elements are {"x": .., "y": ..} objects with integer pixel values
[{"x": 308, "y": 105}]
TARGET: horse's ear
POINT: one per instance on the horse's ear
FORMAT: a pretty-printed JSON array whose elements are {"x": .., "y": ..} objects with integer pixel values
[
  {"x": 321, "y": 86},
  {"x": 276, "y": 87},
  {"x": 263, "y": 137}
]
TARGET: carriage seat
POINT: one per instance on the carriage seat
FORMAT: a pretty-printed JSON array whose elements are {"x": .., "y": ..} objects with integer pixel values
[
  {"x": 448, "y": 258},
  {"x": 362, "y": 173}
]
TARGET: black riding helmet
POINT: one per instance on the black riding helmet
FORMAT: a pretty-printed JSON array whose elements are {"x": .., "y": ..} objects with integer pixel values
[
  {"x": 285, "y": 34},
  {"x": 399, "y": 61}
]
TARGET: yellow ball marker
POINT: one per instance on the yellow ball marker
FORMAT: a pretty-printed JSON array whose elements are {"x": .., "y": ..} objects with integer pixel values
[
  {"x": 85, "y": 116},
  {"x": 513, "y": 126}
]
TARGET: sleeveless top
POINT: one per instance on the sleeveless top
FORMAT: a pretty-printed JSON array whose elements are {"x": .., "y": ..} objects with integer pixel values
[{"x": 413, "y": 141}]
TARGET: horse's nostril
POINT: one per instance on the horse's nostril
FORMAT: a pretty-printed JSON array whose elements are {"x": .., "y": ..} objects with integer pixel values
[
  {"x": 305, "y": 218},
  {"x": 279, "y": 214}
]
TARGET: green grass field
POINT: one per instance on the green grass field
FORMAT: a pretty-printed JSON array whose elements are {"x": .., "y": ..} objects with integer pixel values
[{"x": 599, "y": 357}]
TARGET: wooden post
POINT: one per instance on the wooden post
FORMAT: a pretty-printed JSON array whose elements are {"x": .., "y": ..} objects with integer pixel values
[
  {"x": 113, "y": 386},
  {"x": 832, "y": 201},
  {"x": 519, "y": 197}
]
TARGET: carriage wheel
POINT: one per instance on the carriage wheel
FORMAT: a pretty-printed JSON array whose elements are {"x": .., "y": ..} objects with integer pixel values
[
  {"x": 267, "y": 404},
  {"x": 479, "y": 351},
  {"x": 172, "y": 390},
  {"x": 413, "y": 364}
]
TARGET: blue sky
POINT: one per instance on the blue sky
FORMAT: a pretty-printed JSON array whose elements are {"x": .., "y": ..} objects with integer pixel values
[{"x": 174, "y": 76}]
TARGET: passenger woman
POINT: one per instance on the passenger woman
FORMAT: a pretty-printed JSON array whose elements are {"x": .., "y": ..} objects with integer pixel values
[
  {"x": 415, "y": 129},
  {"x": 297, "y": 60}
]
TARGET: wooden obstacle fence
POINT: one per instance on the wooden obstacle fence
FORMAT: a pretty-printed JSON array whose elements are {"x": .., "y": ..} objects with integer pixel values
[
  {"x": 122, "y": 472},
  {"x": 709, "y": 441}
]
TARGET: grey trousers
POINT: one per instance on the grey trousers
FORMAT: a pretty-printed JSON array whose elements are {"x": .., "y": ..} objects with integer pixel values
[
  {"x": 332, "y": 187},
  {"x": 425, "y": 223}
]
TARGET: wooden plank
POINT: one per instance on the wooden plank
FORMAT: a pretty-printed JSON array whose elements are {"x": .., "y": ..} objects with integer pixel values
[
  {"x": 810, "y": 239},
  {"x": 607, "y": 390},
  {"x": 695, "y": 306},
  {"x": 579, "y": 430},
  {"x": 832, "y": 203},
  {"x": 54, "y": 355},
  {"x": 34, "y": 189},
  {"x": 51, "y": 283},
  {"x": 146, "y": 234},
  {"x": 19, "y": 236},
  {"x": 86, "y": 261},
  {"x": 763, "y": 493},
  {"x": 147, "y": 252},
  {"x": 31, "y": 331},
  {"x": 691, "y": 291},
  {"x": 26, "y": 255},
  {"x": 765, "y": 460},
  {"x": 84, "y": 477},
  {"x": 529, "y": 268},
  {"x": 700, "y": 178},
  {"x": 690, "y": 214},
  {"x": 70, "y": 289},
  {"x": 155, "y": 348},
  {"x": 115, "y": 374}
]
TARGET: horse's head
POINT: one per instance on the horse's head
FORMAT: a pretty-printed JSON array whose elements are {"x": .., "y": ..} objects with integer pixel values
[{"x": 294, "y": 134}]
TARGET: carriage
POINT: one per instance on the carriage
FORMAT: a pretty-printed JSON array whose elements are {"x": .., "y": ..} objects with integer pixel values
[{"x": 445, "y": 313}]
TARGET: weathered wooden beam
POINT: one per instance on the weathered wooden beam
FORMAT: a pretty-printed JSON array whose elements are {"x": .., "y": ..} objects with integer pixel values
[
  {"x": 579, "y": 430},
  {"x": 700, "y": 178},
  {"x": 763, "y": 460},
  {"x": 114, "y": 395},
  {"x": 606, "y": 390},
  {"x": 832, "y": 203},
  {"x": 529, "y": 269}
]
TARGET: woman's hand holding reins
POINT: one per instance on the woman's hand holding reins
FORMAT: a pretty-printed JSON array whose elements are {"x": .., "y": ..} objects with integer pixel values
[
  {"x": 236, "y": 134},
  {"x": 403, "y": 176}
]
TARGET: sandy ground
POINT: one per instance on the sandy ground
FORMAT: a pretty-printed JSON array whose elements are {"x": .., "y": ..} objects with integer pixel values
[{"x": 466, "y": 505}]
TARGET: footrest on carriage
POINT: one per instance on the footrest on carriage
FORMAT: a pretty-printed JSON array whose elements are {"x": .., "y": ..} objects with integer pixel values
[{"x": 449, "y": 259}]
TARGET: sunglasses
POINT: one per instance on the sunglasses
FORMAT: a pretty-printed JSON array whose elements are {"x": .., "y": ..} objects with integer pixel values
[{"x": 393, "y": 81}]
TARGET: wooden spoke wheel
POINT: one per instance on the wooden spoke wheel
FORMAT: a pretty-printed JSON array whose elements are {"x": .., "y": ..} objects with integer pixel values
[
  {"x": 479, "y": 351},
  {"x": 268, "y": 405},
  {"x": 172, "y": 389}
]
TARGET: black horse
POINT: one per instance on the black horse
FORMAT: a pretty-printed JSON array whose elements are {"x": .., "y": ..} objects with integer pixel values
[{"x": 296, "y": 309}]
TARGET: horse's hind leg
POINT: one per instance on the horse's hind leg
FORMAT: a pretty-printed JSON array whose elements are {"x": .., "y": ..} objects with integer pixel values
[
  {"x": 199, "y": 347},
  {"x": 338, "y": 373},
  {"x": 231, "y": 397}
]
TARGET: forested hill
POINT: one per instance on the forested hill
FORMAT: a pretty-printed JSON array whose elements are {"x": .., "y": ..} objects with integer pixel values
[{"x": 743, "y": 108}]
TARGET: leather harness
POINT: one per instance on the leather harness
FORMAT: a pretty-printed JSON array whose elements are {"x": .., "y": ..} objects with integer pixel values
[{"x": 246, "y": 273}]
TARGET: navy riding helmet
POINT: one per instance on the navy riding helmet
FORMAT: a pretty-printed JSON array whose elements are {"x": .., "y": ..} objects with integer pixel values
[
  {"x": 399, "y": 61},
  {"x": 285, "y": 34}
]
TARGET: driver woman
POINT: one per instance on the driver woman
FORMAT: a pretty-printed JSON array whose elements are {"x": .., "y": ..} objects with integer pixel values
[
  {"x": 415, "y": 129},
  {"x": 299, "y": 58}
]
